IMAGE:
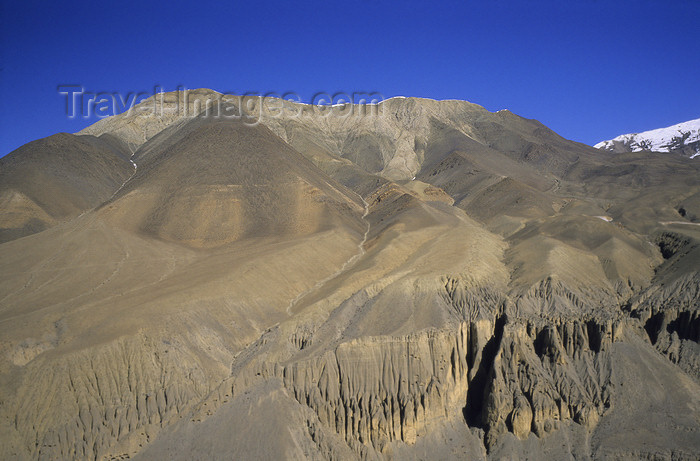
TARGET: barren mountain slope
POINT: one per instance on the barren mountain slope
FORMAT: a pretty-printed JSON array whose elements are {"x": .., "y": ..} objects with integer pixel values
[
  {"x": 119, "y": 284},
  {"x": 230, "y": 181},
  {"x": 55, "y": 178},
  {"x": 455, "y": 145},
  {"x": 282, "y": 287}
]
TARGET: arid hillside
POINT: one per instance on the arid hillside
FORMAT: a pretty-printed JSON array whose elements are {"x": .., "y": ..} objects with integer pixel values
[{"x": 415, "y": 279}]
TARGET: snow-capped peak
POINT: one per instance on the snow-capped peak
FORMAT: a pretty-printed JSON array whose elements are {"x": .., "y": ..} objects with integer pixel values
[{"x": 660, "y": 140}]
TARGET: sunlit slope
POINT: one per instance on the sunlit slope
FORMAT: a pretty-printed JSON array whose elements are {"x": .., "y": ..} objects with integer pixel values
[
  {"x": 430, "y": 280},
  {"x": 56, "y": 178}
]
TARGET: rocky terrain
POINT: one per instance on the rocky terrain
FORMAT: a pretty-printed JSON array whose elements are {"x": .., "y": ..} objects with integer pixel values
[{"x": 416, "y": 279}]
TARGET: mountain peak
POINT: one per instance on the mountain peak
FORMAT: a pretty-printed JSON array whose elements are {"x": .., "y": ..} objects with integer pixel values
[{"x": 682, "y": 138}]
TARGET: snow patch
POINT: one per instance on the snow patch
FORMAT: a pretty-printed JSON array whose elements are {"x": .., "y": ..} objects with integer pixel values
[{"x": 659, "y": 140}]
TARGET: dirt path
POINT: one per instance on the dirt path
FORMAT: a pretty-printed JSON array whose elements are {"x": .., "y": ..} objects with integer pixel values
[
  {"x": 347, "y": 265},
  {"x": 131, "y": 159},
  {"x": 668, "y": 223}
]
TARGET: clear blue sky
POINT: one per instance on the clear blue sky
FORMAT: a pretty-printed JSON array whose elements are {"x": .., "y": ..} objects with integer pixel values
[{"x": 588, "y": 69}]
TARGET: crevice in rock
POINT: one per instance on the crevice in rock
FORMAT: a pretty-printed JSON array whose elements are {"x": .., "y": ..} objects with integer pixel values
[
  {"x": 686, "y": 325},
  {"x": 477, "y": 386},
  {"x": 653, "y": 326},
  {"x": 670, "y": 243}
]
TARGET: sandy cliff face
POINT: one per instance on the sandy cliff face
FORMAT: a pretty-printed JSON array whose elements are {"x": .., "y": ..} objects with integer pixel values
[{"x": 431, "y": 281}]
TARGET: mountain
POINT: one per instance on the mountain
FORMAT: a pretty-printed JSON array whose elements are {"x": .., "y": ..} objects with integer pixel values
[
  {"x": 244, "y": 182},
  {"x": 256, "y": 279},
  {"x": 57, "y": 178},
  {"x": 682, "y": 138}
]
